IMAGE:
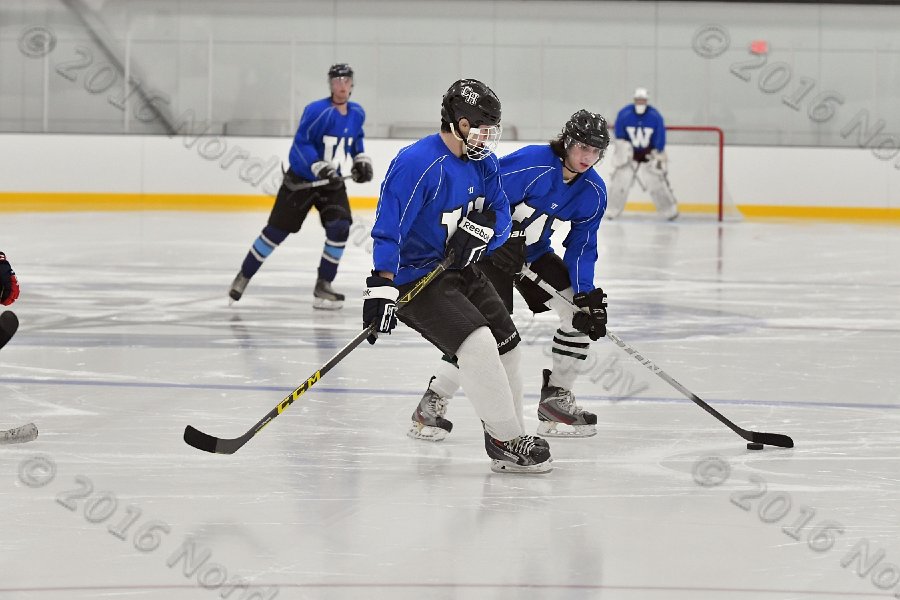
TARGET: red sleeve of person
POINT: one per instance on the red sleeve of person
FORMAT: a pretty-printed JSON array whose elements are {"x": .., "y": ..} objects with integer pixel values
[{"x": 9, "y": 285}]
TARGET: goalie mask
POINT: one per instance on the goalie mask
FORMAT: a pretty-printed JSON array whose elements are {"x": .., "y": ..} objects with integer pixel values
[
  {"x": 589, "y": 129},
  {"x": 641, "y": 98},
  {"x": 472, "y": 100}
]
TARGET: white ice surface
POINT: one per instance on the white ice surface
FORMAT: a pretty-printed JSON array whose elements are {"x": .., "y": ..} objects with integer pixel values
[{"x": 126, "y": 337}]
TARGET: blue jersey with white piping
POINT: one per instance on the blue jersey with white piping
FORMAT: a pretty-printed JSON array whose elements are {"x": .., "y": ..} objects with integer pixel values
[
  {"x": 426, "y": 192},
  {"x": 533, "y": 181},
  {"x": 325, "y": 134}
]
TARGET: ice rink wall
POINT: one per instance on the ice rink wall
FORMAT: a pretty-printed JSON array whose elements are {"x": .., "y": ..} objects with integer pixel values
[{"x": 191, "y": 104}]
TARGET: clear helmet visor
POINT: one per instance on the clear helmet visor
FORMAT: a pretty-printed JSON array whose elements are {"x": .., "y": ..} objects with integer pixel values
[{"x": 482, "y": 141}]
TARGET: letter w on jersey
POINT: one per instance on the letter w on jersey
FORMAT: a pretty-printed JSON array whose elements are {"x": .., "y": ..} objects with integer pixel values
[{"x": 640, "y": 136}]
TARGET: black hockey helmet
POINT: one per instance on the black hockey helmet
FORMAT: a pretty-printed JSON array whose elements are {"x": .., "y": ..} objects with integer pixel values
[
  {"x": 472, "y": 100},
  {"x": 588, "y": 128},
  {"x": 340, "y": 70}
]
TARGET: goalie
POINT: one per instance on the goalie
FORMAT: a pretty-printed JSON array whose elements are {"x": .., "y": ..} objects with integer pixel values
[{"x": 640, "y": 156}]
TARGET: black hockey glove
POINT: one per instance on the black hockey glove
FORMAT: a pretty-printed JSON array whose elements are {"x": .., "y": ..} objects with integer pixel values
[
  {"x": 510, "y": 257},
  {"x": 470, "y": 240},
  {"x": 362, "y": 169},
  {"x": 591, "y": 319},
  {"x": 9, "y": 285},
  {"x": 324, "y": 170},
  {"x": 380, "y": 305}
]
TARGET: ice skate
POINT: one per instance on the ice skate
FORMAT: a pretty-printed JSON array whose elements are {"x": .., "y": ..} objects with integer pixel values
[
  {"x": 428, "y": 422},
  {"x": 325, "y": 298},
  {"x": 237, "y": 287},
  {"x": 524, "y": 454},
  {"x": 559, "y": 416}
]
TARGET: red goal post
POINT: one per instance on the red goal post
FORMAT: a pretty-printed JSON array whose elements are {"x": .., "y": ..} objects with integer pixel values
[
  {"x": 696, "y": 170},
  {"x": 720, "y": 174}
]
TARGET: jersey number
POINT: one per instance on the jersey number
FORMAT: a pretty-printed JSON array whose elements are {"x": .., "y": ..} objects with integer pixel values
[
  {"x": 535, "y": 229},
  {"x": 450, "y": 220},
  {"x": 336, "y": 152}
]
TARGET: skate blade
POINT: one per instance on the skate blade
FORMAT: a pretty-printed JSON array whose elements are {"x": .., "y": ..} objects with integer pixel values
[
  {"x": 324, "y": 304},
  {"x": 502, "y": 466},
  {"x": 19, "y": 435},
  {"x": 561, "y": 430},
  {"x": 417, "y": 431}
]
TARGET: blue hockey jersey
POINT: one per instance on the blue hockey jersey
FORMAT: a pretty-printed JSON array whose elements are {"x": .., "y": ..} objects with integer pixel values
[
  {"x": 646, "y": 132},
  {"x": 426, "y": 192},
  {"x": 533, "y": 181},
  {"x": 326, "y": 134}
]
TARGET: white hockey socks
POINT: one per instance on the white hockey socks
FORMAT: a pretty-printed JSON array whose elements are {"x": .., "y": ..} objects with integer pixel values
[
  {"x": 511, "y": 361},
  {"x": 570, "y": 352},
  {"x": 446, "y": 379},
  {"x": 485, "y": 382}
]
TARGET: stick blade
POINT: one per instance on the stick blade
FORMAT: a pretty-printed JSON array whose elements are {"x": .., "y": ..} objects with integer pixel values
[
  {"x": 19, "y": 435},
  {"x": 199, "y": 440},
  {"x": 772, "y": 439}
]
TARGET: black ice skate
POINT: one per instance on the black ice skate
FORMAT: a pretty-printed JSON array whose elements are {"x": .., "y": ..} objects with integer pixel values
[
  {"x": 325, "y": 298},
  {"x": 559, "y": 416},
  {"x": 428, "y": 422},
  {"x": 524, "y": 454},
  {"x": 237, "y": 287}
]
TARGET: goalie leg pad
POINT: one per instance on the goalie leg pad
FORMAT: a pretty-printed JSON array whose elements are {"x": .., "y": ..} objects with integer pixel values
[
  {"x": 617, "y": 190},
  {"x": 661, "y": 193}
]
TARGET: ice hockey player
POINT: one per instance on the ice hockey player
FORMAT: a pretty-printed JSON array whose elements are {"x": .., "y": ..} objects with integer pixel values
[
  {"x": 640, "y": 156},
  {"x": 330, "y": 130},
  {"x": 9, "y": 292},
  {"x": 443, "y": 195},
  {"x": 9, "y": 285},
  {"x": 546, "y": 183}
]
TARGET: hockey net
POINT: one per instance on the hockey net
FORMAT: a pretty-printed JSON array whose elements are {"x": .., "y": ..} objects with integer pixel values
[{"x": 696, "y": 173}]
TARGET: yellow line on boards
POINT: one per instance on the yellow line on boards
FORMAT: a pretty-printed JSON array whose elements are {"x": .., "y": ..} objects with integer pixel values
[
  {"x": 91, "y": 201},
  {"x": 68, "y": 201}
]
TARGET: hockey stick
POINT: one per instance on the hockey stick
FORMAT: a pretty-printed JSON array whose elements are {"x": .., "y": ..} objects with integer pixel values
[
  {"x": 19, "y": 435},
  {"x": 9, "y": 324},
  {"x": 294, "y": 187},
  {"x": 769, "y": 439},
  {"x": 208, "y": 443}
]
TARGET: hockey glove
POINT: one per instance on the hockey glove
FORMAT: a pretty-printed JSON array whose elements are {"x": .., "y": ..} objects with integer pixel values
[
  {"x": 591, "y": 319},
  {"x": 362, "y": 169},
  {"x": 380, "y": 305},
  {"x": 324, "y": 170},
  {"x": 470, "y": 240},
  {"x": 510, "y": 257},
  {"x": 659, "y": 161},
  {"x": 9, "y": 285}
]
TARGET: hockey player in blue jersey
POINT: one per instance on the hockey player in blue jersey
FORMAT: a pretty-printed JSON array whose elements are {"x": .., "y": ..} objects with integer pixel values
[
  {"x": 443, "y": 196},
  {"x": 640, "y": 156},
  {"x": 546, "y": 184},
  {"x": 330, "y": 133}
]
